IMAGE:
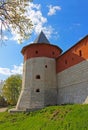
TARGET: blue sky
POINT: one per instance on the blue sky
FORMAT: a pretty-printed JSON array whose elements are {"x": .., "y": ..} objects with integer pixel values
[{"x": 63, "y": 22}]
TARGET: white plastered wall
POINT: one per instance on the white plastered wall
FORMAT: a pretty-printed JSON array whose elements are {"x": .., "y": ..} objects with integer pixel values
[
  {"x": 73, "y": 84},
  {"x": 47, "y": 84}
]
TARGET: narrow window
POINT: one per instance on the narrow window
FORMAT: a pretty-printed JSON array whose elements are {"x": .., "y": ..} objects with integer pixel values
[
  {"x": 36, "y": 52},
  {"x": 37, "y": 90},
  {"x": 45, "y": 66},
  {"x": 80, "y": 53},
  {"x": 37, "y": 76},
  {"x": 65, "y": 61}
]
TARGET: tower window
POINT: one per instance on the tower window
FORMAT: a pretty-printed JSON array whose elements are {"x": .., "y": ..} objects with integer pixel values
[
  {"x": 45, "y": 66},
  {"x": 37, "y": 90},
  {"x": 80, "y": 53},
  {"x": 37, "y": 76},
  {"x": 36, "y": 52}
]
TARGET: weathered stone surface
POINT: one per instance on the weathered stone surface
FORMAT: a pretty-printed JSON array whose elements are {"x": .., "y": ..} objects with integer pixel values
[
  {"x": 46, "y": 85},
  {"x": 73, "y": 84}
]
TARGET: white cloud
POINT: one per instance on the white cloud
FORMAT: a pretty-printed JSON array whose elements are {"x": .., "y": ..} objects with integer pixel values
[
  {"x": 53, "y": 9},
  {"x": 48, "y": 31},
  {"x": 38, "y": 20},
  {"x": 2, "y": 39},
  {"x": 3, "y": 25},
  {"x": 5, "y": 71},
  {"x": 16, "y": 70}
]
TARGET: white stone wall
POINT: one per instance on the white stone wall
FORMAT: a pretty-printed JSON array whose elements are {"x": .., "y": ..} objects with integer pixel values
[
  {"x": 73, "y": 84},
  {"x": 29, "y": 98}
]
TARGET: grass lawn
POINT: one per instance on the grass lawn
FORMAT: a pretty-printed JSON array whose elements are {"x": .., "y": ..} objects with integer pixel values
[{"x": 67, "y": 117}]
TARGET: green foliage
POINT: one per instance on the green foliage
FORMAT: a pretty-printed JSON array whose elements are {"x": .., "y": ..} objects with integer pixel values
[
  {"x": 12, "y": 88},
  {"x": 69, "y": 117},
  {"x": 3, "y": 102},
  {"x": 14, "y": 18}
]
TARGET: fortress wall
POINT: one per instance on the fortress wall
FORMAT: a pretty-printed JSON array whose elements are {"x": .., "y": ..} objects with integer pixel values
[
  {"x": 39, "y": 83},
  {"x": 73, "y": 56},
  {"x": 73, "y": 84}
]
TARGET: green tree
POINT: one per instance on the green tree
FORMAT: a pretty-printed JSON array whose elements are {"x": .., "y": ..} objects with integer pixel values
[
  {"x": 12, "y": 88},
  {"x": 13, "y": 17}
]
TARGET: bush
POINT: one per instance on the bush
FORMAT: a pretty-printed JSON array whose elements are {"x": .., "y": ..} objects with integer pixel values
[{"x": 12, "y": 88}]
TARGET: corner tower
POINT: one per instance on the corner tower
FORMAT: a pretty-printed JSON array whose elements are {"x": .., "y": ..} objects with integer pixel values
[{"x": 39, "y": 85}]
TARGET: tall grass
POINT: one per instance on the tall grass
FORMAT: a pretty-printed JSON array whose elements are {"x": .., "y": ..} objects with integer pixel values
[{"x": 68, "y": 117}]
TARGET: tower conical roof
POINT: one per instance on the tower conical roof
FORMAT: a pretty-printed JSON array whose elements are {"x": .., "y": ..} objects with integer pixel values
[{"x": 41, "y": 39}]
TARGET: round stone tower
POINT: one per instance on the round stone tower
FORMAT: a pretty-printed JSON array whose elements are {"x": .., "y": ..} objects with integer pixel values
[{"x": 39, "y": 86}]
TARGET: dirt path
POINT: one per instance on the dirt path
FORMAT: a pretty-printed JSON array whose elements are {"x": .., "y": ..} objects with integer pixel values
[{"x": 3, "y": 109}]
